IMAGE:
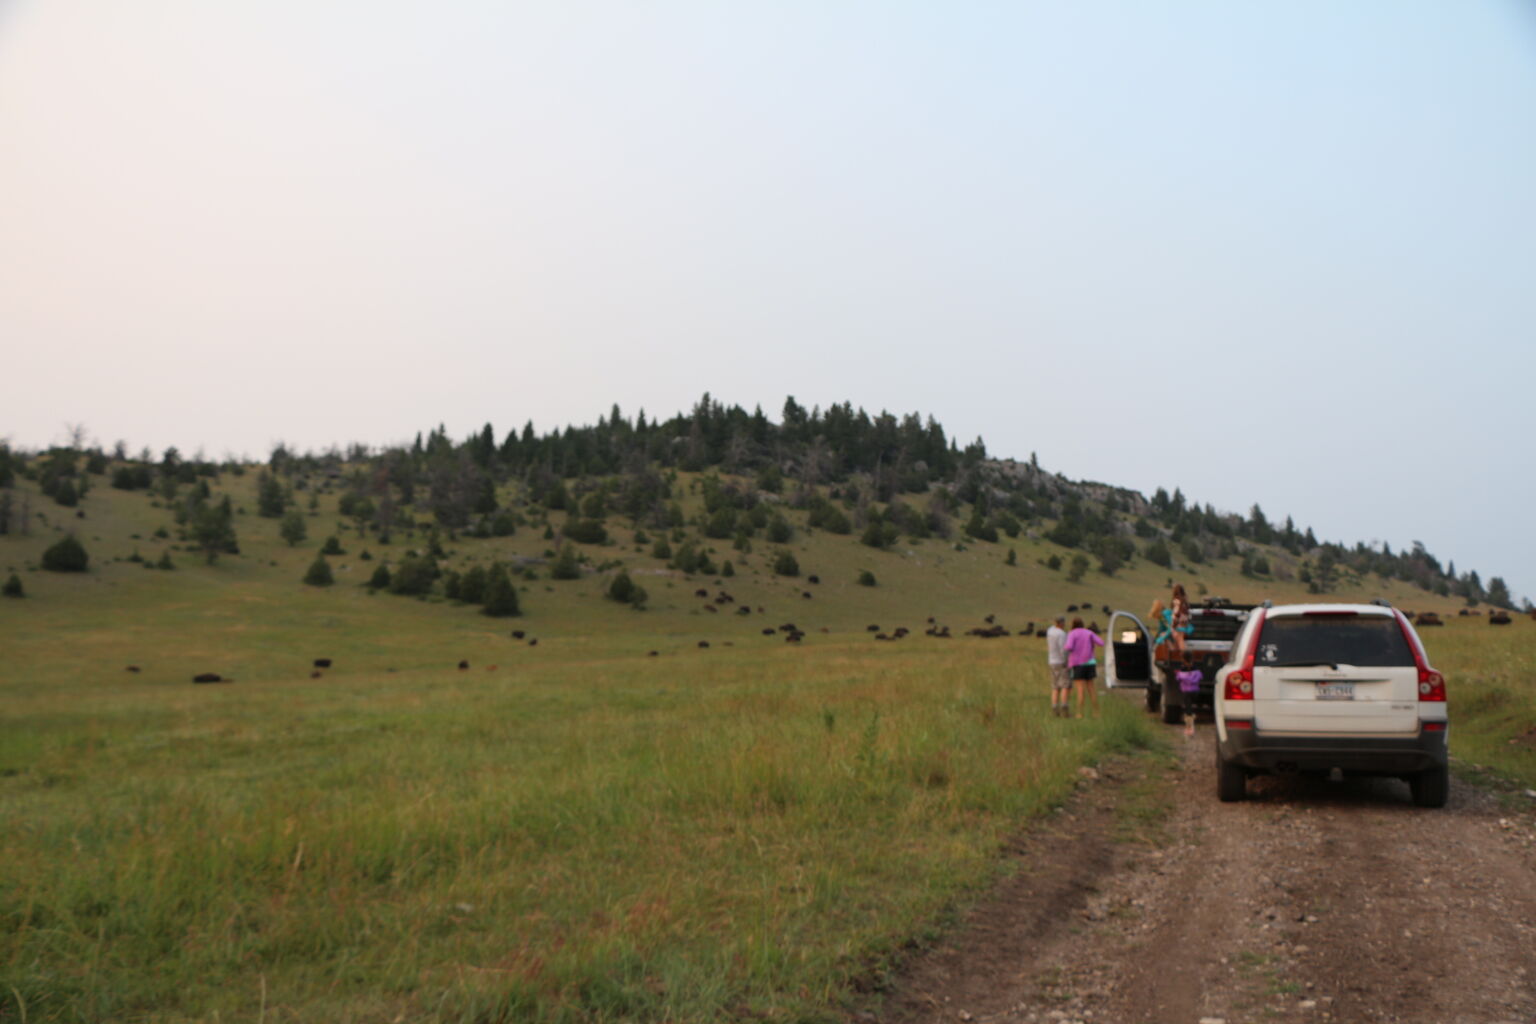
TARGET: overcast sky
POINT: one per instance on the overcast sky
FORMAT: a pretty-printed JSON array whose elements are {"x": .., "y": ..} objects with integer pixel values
[{"x": 1281, "y": 251}]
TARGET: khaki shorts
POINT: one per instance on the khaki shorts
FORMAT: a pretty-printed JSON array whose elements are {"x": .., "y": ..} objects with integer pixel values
[{"x": 1060, "y": 678}]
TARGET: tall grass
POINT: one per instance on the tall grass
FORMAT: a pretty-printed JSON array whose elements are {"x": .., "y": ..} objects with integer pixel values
[
  {"x": 631, "y": 840},
  {"x": 1491, "y": 683}
]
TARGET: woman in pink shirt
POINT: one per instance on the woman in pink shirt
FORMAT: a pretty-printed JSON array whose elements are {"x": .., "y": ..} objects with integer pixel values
[{"x": 1083, "y": 664}]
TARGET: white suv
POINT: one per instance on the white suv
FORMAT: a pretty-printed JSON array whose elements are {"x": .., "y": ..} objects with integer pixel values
[{"x": 1314, "y": 687}]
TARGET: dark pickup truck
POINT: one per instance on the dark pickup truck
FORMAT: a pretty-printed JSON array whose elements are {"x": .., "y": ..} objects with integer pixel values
[{"x": 1131, "y": 661}]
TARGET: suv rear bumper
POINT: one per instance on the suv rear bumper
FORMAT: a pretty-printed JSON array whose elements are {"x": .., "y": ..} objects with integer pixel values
[{"x": 1366, "y": 755}]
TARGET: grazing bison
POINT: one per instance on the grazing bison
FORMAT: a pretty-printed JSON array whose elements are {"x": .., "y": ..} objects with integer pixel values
[
  {"x": 711, "y": 609},
  {"x": 793, "y": 638},
  {"x": 881, "y": 636},
  {"x": 1498, "y": 618},
  {"x": 316, "y": 674},
  {"x": 518, "y": 634},
  {"x": 322, "y": 663},
  {"x": 743, "y": 610},
  {"x": 789, "y": 627},
  {"x": 900, "y": 632},
  {"x": 1427, "y": 619},
  {"x": 133, "y": 668},
  {"x": 1071, "y": 607},
  {"x": 872, "y": 628},
  {"x": 701, "y": 592},
  {"x": 805, "y": 593},
  {"x": 534, "y": 642},
  {"x": 703, "y": 643},
  {"x": 463, "y": 666},
  {"x": 210, "y": 677},
  {"x": 651, "y": 654},
  {"x": 813, "y": 579},
  {"x": 770, "y": 631},
  {"x": 990, "y": 619}
]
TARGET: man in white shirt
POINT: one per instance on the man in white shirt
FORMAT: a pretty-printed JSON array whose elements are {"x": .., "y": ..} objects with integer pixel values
[{"x": 1056, "y": 658}]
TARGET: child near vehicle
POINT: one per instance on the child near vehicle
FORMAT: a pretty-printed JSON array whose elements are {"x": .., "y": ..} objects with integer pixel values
[{"x": 1083, "y": 664}]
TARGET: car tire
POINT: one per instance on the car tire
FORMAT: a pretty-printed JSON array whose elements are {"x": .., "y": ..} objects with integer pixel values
[
  {"x": 1154, "y": 698},
  {"x": 1431, "y": 788},
  {"x": 1172, "y": 713},
  {"x": 1231, "y": 781}
]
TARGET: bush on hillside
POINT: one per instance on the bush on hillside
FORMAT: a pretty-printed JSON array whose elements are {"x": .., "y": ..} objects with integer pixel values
[
  {"x": 67, "y": 555},
  {"x": 500, "y": 593},
  {"x": 380, "y": 578},
  {"x": 12, "y": 587},
  {"x": 784, "y": 564},
  {"x": 414, "y": 576},
  {"x": 332, "y": 546},
  {"x": 566, "y": 566},
  {"x": 866, "y": 578},
  {"x": 319, "y": 574},
  {"x": 473, "y": 584},
  {"x": 293, "y": 529}
]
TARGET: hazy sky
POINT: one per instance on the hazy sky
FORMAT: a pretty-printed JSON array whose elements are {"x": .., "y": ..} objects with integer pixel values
[{"x": 1276, "y": 251}]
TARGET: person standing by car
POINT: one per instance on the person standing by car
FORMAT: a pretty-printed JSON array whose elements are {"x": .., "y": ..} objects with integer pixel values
[
  {"x": 1079, "y": 646},
  {"x": 1180, "y": 624},
  {"x": 1056, "y": 659}
]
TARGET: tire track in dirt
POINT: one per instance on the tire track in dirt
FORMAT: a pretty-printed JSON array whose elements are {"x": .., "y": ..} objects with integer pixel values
[{"x": 1310, "y": 901}]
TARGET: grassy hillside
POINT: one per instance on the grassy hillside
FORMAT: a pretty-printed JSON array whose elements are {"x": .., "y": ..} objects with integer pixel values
[{"x": 573, "y": 830}]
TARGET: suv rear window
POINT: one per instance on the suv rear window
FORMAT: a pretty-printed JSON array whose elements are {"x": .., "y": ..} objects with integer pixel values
[
  {"x": 1209, "y": 625},
  {"x": 1372, "y": 641}
]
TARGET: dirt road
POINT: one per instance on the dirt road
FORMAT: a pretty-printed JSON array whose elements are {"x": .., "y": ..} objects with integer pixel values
[{"x": 1311, "y": 901}]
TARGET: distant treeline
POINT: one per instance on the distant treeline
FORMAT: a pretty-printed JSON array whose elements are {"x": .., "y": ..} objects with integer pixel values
[{"x": 881, "y": 476}]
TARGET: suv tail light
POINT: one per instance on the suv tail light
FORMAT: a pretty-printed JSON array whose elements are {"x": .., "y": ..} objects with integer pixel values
[
  {"x": 1240, "y": 681},
  {"x": 1431, "y": 683}
]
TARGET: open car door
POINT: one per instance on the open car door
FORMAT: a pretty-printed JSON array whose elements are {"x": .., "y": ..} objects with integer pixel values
[{"x": 1127, "y": 653}]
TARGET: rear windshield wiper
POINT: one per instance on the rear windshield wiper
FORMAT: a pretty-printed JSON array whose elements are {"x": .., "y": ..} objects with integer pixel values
[{"x": 1301, "y": 664}]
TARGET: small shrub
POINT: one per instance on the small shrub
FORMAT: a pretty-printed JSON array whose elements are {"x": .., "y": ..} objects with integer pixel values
[
  {"x": 784, "y": 564},
  {"x": 332, "y": 546},
  {"x": 866, "y": 578},
  {"x": 380, "y": 578},
  {"x": 319, "y": 574},
  {"x": 292, "y": 528},
  {"x": 12, "y": 587},
  {"x": 500, "y": 594},
  {"x": 727, "y": 569},
  {"x": 566, "y": 566},
  {"x": 67, "y": 555}
]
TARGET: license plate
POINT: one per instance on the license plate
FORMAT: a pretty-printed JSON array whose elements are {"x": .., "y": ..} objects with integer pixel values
[{"x": 1335, "y": 691}]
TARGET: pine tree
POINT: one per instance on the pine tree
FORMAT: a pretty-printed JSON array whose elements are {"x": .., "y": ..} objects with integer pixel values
[
  {"x": 293, "y": 529},
  {"x": 566, "y": 566},
  {"x": 380, "y": 579},
  {"x": 12, "y": 587},
  {"x": 270, "y": 499},
  {"x": 319, "y": 574},
  {"x": 67, "y": 555},
  {"x": 500, "y": 593}
]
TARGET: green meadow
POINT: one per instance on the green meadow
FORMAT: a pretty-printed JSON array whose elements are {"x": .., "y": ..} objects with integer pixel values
[{"x": 578, "y": 830}]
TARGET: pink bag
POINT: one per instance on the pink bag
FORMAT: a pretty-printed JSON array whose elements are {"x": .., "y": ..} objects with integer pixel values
[{"x": 1189, "y": 682}]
